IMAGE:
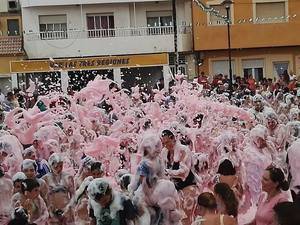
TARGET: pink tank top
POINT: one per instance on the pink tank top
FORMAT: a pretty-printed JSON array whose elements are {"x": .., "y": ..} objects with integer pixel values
[{"x": 265, "y": 212}]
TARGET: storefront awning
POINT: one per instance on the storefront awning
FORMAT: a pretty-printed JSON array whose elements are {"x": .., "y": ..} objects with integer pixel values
[{"x": 89, "y": 63}]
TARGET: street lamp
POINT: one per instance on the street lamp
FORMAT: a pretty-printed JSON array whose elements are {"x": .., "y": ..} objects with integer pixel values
[{"x": 227, "y": 4}]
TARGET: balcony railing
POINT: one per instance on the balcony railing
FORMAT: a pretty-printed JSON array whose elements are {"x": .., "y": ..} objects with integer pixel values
[{"x": 108, "y": 33}]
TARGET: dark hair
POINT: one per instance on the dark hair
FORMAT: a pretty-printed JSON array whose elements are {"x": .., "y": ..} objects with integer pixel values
[
  {"x": 287, "y": 213},
  {"x": 98, "y": 196},
  {"x": 207, "y": 200},
  {"x": 29, "y": 185},
  {"x": 277, "y": 176},
  {"x": 20, "y": 217},
  {"x": 96, "y": 166},
  {"x": 228, "y": 197},
  {"x": 125, "y": 181},
  {"x": 167, "y": 133},
  {"x": 226, "y": 168},
  {"x": 2, "y": 173}
]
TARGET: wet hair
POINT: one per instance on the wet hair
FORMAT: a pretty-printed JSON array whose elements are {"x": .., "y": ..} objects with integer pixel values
[
  {"x": 96, "y": 166},
  {"x": 228, "y": 197},
  {"x": 277, "y": 176},
  {"x": 226, "y": 168},
  {"x": 29, "y": 185},
  {"x": 98, "y": 196},
  {"x": 167, "y": 133},
  {"x": 2, "y": 173},
  {"x": 207, "y": 200},
  {"x": 125, "y": 181},
  {"x": 20, "y": 217},
  {"x": 185, "y": 141},
  {"x": 147, "y": 125},
  {"x": 287, "y": 213}
]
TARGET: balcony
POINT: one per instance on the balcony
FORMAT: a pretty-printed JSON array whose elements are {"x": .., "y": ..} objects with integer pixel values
[
  {"x": 118, "y": 41},
  {"x": 37, "y": 3},
  {"x": 109, "y": 33}
]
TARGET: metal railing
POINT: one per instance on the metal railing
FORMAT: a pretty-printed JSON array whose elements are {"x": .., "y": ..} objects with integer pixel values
[
  {"x": 53, "y": 35},
  {"x": 106, "y": 33}
]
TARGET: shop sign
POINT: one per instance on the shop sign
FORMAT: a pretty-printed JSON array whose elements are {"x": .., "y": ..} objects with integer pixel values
[{"x": 92, "y": 63}]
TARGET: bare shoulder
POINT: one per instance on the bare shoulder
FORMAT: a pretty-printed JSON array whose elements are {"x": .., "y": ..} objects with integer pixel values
[{"x": 228, "y": 220}]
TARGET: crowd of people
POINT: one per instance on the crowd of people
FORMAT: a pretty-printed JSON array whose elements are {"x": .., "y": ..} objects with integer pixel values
[{"x": 200, "y": 153}]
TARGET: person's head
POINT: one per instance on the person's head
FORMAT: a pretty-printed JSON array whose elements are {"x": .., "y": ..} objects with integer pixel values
[
  {"x": 226, "y": 168},
  {"x": 287, "y": 213},
  {"x": 5, "y": 149},
  {"x": 17, "y": 179},
  {"x": 30, "y": 188},
  {"x": 37, "y": 144},
  {"x": 226, "y": 199},
  {"x": 10, "y": 96},
  {"x": 258, "y": 103},
  {"x": 29, "y": 168},
  {"x": 87, "y": 163},
  {"x": 271, "y": 120},
  {"x": 206, "y": 203},
  {"x": 96, "y": 170},
  {"x": 20, "y": 217},
  {"x": 29, "y": 153},
  {"x": 125, "y": 181},
  {"x": 258, "y": 136},
  {"x": 100, "y": 191},
  {"x": 150, "y": 146},
  {"x": 168, "y": 139},
  {"x": 56, "y": 163},
  {"x": 274, "y": 180}
]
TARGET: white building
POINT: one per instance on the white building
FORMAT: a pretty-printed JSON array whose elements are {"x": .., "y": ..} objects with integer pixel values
[{"x": 66, "y": 29}]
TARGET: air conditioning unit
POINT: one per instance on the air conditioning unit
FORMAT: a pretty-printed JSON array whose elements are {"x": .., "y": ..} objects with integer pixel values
[{"x": 13, "y": 5}]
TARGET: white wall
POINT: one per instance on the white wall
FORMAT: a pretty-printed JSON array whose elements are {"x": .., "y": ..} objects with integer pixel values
[
  {"x": 34, "y": 3},
  {"x": 123, "y": 18},
  {"x": 105, "y": 46}
]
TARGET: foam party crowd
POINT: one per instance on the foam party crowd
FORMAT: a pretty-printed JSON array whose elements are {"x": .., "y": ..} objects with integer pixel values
[{"x": 108, "y": 156}]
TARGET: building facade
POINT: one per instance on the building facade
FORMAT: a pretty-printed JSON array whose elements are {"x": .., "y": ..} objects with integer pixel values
[
  {"x": 11, "y": 46},
  {"x": 264, "y": 38},
  {"x": 63, "y": 30}
]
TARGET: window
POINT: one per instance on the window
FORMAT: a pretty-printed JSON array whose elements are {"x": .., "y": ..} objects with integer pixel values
[
  {"x": 270, "y": 12},
  {"x": 214, "y": 20},
  {"x": 280, "y": 67},
  {"x": 13, "y": 27},
  {"x": 160, "y": 22},
  {"x": 182, "y": 65},
  {"x": 53, "y": 27},
  {"x": 222, "y": 67},
  {"x": 254, "y": 67},
  {"x": 100, "y": 25}
]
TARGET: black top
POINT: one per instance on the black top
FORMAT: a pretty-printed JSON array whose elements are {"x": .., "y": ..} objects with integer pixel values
[
  {"x": 179, "y": 183},
  {"x": 129, "y": 212}
]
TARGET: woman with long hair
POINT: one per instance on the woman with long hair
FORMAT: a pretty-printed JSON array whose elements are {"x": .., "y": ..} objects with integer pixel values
[
  {"x": 273, "y": 185},
  {"x": 208, "y": 213},
  {"x": 226, "y": 200}
]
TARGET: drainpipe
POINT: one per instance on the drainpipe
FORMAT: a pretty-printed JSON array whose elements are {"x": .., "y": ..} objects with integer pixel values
[{"x": 174, "y": 14}]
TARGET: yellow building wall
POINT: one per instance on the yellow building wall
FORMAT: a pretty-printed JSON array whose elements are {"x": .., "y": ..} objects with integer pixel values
[
  {"x": 269, "y": 55},
  {"x": 3, "y": 22},
  {"x": 245, "y": 35},
  {"x": 5, "y": 64}
]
